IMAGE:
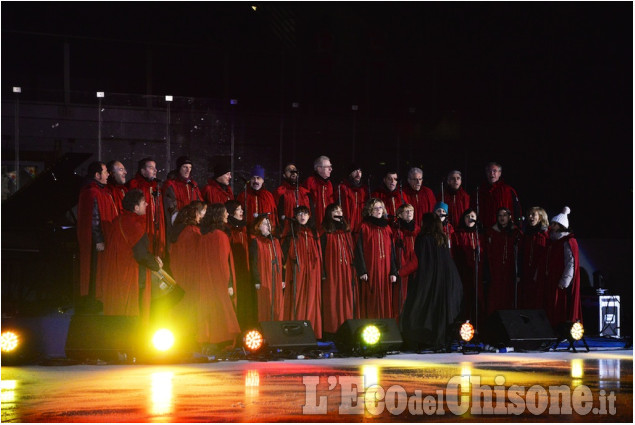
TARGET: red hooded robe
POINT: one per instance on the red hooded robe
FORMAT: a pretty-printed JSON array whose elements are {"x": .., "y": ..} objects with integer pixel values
[
  {"x": 216, "y": 193},
  {"x": 155, "y": 221},
  {"x": 89, "y": 194},
  {"x": 216, "y": 316},
  {"x": 352, "y": 200},
  {"x": 423, "y": 200},
  {"x": 533, "y": 250},
  {"x": 286, "y": 198},
  {"x": 261, "y": 254},
  {"x": 308, "y": 278},
  {"x": 322, "y": 191},
  {"x": 259, "y": 202},
  {"x": 458, "y": 201},
  {"x": 491, "y": 198},
  {"x": 404, "y": 240},
  {"x": 499, "y": 248},
  {"x": 562, "y": 304},
  {"x": 392, "y": 200},
  {"x": 464, "y": 248}
]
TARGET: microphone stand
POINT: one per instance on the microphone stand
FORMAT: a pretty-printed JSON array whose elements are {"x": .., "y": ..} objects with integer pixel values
[
  {"x": 274, "y": 269},
  {"x": 354, "y": 281},
  {"x": 297, "y": 190},
  {"x": 442, "y": 194},
  {"x": 400, "y": 249},
  {"x": 477, "y": 260}
]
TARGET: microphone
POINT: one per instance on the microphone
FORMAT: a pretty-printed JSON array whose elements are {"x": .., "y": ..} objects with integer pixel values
[
  {"x": 338, "y": 216},
  {"x": 471, "y": 220},
  {"x": 256, "y": 215}
]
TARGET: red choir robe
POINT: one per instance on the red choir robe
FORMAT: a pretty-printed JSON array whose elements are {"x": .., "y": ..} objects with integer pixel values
[
  {"x": 117, "y": 191},
  {"x": 322, "y": 192},
  {"x": 126, "y": 248},
  {"x": 533, "y": 251},
  {"x": 465, "y": 242},
  {"x": 185, "y": 263},
  {"x": 259, "y": 202},
  {"x": 304, "y": 262},
  {"x": 352, "y": 199},
  {"x": 216, "y": 193},
  {"x": 423, "y": 200},
  {"x": 155, "y": 220},
  {"x": 374, "y": 255},
  {"x": 404, "y": 235},
  {"x": 492, "y": 197},
  {"x": 90, "y": 194},
  {"x": 245, "y": 294},
  {"x": 216, "y": 316},
  {"x": 178, "y": 193},
  {"x": 562, "y": 304},
  {"x": 261, "y": 254},
  {"x": 392, "y": 200},
  {"x": 287, "y": 199},
  {"x": 340, "y": 295},
  {"x": 499, "y": 248},
  {"x": 458, "y": 201},
  {"x": 448, "y": 229}
]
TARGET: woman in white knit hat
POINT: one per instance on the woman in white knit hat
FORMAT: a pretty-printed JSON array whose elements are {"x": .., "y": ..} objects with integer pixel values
[{"x": 562, "y": 272}]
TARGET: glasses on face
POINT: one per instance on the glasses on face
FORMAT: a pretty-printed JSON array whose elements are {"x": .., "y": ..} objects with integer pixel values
[
  {"x": 330, "y": 167},
  {"x": 415, "y": 180},
  {"x": 378, "y": 208}
]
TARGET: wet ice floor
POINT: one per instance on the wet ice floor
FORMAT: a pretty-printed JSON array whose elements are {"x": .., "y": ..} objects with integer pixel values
[{"x": 595, "y": 387}]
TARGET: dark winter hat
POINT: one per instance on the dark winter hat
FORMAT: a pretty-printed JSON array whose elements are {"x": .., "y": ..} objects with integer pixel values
[
  {"x": 221, "y": 167},
  {"x": 353, "y": 167},
  {"x": 182, "y": 160},
  {"x": 259, "y": 171}
]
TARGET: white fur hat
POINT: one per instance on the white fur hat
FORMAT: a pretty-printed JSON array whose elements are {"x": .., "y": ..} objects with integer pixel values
[{"x": 562, "y": 218}]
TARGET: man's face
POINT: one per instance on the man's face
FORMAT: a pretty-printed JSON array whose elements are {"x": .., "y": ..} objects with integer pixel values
[
  {"x": 140, "y": 208},
  {"x": 119, "y": 173},
  {"x": 291, "y": 173},
  {"x": 185, "y": 171},
  {"x": 502, "y": 218},
  {"x": 391, "y": 181},
  {"x": 150, "y": 170},
  {"x": 103, "y": 176},
  {"x": 256, "y": 182},
  {"x": 493, "y": 173},
  {"x": 225, "y": 178},
  {"x": 415, "y": 181},
  {"x": 454, "y": 181},
  {"x": 356, "y": 176},
  {"x": 325, "y": 169}
]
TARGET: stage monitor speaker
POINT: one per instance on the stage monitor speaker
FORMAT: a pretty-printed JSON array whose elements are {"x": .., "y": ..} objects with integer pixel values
[
  {"x": 107, "y": 338},
  {"x": 522, "y": 329},
  {"x": 347, "y": 334},
  {"x": 293, "y": 335},
  {"x": 609, "y": 315}
]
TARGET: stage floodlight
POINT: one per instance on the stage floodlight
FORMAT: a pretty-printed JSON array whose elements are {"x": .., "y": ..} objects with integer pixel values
[
  {"x": 9, "y": 341},
  {"x": 253, "y": 341},
  {"x": 467, "y": 331},
  {"x": 168, "y": 98},
  {"x": 370, "y": 335},
  {"x": 163, "y": 339},
  {"x": 17, "y": 89},
  {"x": 577, "y": 331},
  {"x": 254, "y": 8},
  {"x": 100, "y": 94}
]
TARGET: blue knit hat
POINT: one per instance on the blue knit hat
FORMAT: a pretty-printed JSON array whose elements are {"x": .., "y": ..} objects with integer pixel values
[
  {"x": 259, "y": 171},
  {"x": 441, "y": 205}
]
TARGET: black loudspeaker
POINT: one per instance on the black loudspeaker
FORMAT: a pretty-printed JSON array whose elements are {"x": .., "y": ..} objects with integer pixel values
[
  {"x": 107, "y": 338},
  {"x": 292, "y": 335},
  {"x": 521, "y": 329},
  {"x": 347, "y": 338}
]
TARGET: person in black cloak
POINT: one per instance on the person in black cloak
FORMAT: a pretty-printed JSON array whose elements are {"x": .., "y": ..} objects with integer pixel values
[{"x": 433, "y": 301}]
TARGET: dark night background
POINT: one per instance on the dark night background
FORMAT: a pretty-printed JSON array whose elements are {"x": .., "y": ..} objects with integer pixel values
[{"x": 543, "y": 88}]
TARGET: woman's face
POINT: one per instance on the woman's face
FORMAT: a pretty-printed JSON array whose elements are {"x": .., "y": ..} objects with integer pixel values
[
  {"x": 200, "y": 214},
  {"x": 302, "y": 217},
  {"x": 502, "y": 218},
  {"x": 470, "y": 219},
  {"x": 238, "y": 213},
  {"x": 336, "y": 214},
  {"x": 225, "y": 216},
  {"x": 377, "y": 211},
  {"x": 265, "y": 227},
  {"x": 407, "y": 215},
  {"x": 534, "y": 218}
]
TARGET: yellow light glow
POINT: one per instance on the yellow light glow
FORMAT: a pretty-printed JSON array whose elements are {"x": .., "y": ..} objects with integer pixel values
[
  {"x": 162, "y": 393},
  {"x": 9, "y": 341},
  {"x": 467, "y": 331},
  {"x": 371, "y": 375},
  {"x": 577, "y": 368},
  {"x": 577, "y": 331},
  {"x": 371, "y": 335},
  {"x": 253, "y": 340},
  {"x": 163, "y": 339},
  {"x": 466, "y": 372},
  {"x": 254, "y": 8},
  {"x": 252, "y": 379}
]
